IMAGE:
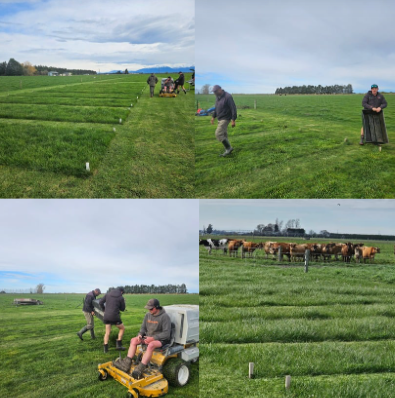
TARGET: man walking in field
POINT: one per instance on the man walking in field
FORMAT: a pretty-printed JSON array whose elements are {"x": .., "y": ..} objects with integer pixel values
[
  {"x": 112, "y": 303},
  {"x": 155, "y": 331},
  {"x": 374, "y": 101},
  {"x": 152, "y": 81},
  {"x": 89, "y": 313},
  {"x": 226, "y": 112},
  {"x": 180, "y": 83}
]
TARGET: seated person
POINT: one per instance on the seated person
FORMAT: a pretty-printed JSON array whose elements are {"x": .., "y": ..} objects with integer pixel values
[
  {"x": 168, "y": 85},
  {"x": 155, "y": 332}
]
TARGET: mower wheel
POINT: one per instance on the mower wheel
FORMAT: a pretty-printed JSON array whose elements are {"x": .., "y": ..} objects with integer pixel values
[
  {"x": 104, "y": 376},
  {"x": 134, "y": 394},
  {"x": 177, "y": 372}
]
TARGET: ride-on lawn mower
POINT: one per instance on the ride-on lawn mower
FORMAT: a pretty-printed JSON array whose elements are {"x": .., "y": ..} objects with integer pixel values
[
  {"x": 167, "y": 91},
  {"x": 169, "y": 364}
]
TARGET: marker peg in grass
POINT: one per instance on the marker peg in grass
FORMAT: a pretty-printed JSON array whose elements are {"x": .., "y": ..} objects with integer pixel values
[
  {"x": 288, "y": 382},
  {"x": 251, "y": 374},
  {"x": 87, "y": 166}
]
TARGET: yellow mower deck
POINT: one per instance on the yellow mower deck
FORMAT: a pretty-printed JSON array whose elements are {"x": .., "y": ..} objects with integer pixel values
[
  {"x": 167, "y": 95},
  {"x": 153, "y": 384}
]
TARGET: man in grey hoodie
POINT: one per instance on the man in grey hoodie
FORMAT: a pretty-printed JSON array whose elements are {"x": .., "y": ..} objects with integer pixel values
[
  {"x": 152, "y": 80},
  {"x": 155, "y": 332}
]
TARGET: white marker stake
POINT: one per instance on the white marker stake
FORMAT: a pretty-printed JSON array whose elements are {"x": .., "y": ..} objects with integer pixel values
[
  {"x": 114, "y": 129},
  {"x": 288, "y": 382},
  {"x": 87, "y": 166},
  {"x": 120, "y": 121},
  {"x": 251, "y": 370}
]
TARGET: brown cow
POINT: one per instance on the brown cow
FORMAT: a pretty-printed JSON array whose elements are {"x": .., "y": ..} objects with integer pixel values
[
  {"x": 332, "y": 249},
  {"x": 298, "y": 251},
  {"x": 233, "y": 246},
  {"x": 369, "y": 252},
  {"x": 347, "y": 252},
  {"x": 250, "y": 247},
  {"x": 285, "y": 250}
]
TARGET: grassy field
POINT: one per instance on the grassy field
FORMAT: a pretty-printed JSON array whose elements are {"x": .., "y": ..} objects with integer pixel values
[
  {"x": 332, "y": 329},
  {"x": 294, "y": 147},
  {"x": 51, "y": 126},
  {"x": 41, "y": 355}
]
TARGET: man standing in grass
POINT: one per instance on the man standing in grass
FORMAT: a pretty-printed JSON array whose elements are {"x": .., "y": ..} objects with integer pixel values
[
  {"x": 180, "y": 83},
  {"x": 152, "y": 81},
  {"x": 89, "y": 312},
  {"x": 374, "y": 101},
  {"x": 155, "y": 331},
  {"x": 114, "y": 304},
  {"x": 226, "y": 112}
]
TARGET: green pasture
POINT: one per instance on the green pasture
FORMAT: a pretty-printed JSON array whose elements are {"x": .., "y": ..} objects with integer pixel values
[
  {"x": 136, "y": 146},
  {"x": 304, "y": 146},
  {"x": 331, "y": 329},
  {"x": 41, "y": 355}
]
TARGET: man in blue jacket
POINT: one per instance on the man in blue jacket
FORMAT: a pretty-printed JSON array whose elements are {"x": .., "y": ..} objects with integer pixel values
[{"x": 88, "y": 311}]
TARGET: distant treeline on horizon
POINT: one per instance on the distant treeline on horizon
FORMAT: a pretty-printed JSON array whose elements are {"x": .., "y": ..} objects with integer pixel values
[{"x": 335, "y": 89}]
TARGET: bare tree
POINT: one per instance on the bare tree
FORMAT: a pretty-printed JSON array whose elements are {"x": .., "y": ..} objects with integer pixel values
[
  {"x": 205, "y": 89},
  {"x": 297, "y": 223},
  {"x": 40, "y": 288}
]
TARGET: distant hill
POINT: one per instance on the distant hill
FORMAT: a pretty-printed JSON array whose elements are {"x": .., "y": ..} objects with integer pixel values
[{"x": 159, "y": 69}]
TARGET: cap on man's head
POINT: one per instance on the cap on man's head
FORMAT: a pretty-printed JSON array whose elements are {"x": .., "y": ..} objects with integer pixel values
[
  {"x": 179, "y": 72},
  {"x": 152, "y": 303},
  {"x": 374, "y": 86},
  {"x": 98, "y": 290},
  {"x": 216, "y": 88},
  {"x": 121, "y": 288}
]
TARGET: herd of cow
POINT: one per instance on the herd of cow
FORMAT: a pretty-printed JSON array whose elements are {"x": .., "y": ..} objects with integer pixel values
[{"x": 294, "y": 251}]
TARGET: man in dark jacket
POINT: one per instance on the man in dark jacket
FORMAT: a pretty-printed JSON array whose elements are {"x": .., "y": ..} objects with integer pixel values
[
  {"x": 180, "y": 83},
  {"x": 112, "y": 303},
  {"x": 374, "y": 101},
  {"x": 226, "y": 112},
  {"x": 155, "y": 331},
  {"x": 88, "y": 311},
  {"x": 152, "y": 81}
]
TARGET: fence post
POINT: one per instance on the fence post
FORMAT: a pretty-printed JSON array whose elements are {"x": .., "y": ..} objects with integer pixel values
[
  {"x": 280, "y": 254},
  {"x": 254, "y": 104},
  {"x": 306, "y": 260},
  {"x": 251, "y": 370}
]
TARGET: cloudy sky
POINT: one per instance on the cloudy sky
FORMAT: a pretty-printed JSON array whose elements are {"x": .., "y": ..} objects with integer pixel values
[
  {"x": 352, "y": 216},
  {"x": 97, "y": 34},
  {"x": 78, "y": 245},
  {"x": 257, "y": 46}
]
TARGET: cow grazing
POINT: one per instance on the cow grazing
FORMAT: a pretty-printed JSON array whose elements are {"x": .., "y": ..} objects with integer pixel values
[
  {"x": 285, "y": 249},
  {"x": 369, "y": 253},
  {"x": 234, "y": 245},
  {"x": 266, "y": 248},
  {"x": 217, "y": 244},
  {"x": 250, "y": 248},
  {"x": 298, "y": 251}
]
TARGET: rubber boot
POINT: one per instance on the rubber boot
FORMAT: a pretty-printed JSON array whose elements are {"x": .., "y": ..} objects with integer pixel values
[
  {"x": 123, "y": 364},
  {"x": 81, "y": 332},
  {"x": 138, "y": 371},
  {"x": 185, "y": 91},
  {"x": 105, "y": 348},
  {"x": 119, "y": 346},
  {"x": 361, "y": 142},
  {"x": 228, "y": 147},
  {"x": 92, "y": 334}
]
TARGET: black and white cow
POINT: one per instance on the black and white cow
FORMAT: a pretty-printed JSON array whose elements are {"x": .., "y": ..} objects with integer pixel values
[{"x": 216, "y": 244}]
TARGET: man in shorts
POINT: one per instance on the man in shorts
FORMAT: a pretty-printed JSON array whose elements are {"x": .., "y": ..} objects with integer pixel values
[
  {"x": 155, "y": 331},
  {"x": 180, "y": 83},
  {"x": 89, "y": 312},
  {"x": 114, "y": 303},
  {"x": 226, "y": 112},
  {"x": 374, "y": 101}
]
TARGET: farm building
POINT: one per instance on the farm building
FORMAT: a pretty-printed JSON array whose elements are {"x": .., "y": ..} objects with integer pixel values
[{"x": 53, "y": 73}]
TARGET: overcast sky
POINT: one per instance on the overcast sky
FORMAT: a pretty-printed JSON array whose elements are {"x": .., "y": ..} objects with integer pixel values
[
  {"x": 78, "y": 245},
  {"x": 97, "y": 34},
  {"x": 352, "y": 216},
  {"x": 257, "y": 46}
]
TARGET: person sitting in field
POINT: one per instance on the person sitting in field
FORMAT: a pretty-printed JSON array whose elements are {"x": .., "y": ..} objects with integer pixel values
[
  {"x": 374, "y": 101},
  {"x": 168, "y": 85},
  {"x": 155, "y": 331}
]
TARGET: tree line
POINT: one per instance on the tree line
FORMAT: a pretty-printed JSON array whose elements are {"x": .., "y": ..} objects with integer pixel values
[
  {"x": 335, "y": 89},
  {"x": 144, "y": 289},
  {"x": 14, "y": 68}
]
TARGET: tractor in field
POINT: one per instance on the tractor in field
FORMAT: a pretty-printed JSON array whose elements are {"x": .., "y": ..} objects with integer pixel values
[{"x": 169, "y": 364}]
